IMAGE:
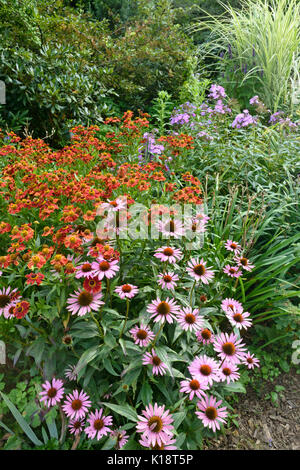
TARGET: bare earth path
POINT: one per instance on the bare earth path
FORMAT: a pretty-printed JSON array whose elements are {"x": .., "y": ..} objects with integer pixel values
[{"x": 262, "y": 425}]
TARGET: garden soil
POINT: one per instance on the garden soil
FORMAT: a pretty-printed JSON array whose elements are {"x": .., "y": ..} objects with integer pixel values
[{"x": 262, "y": 424}]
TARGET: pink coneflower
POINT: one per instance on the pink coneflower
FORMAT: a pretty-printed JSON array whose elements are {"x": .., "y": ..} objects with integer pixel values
[
  {"x": 76, "y": 404},
  {"x": 205, "y": 336},
  {"x": 158, "y": 366},
  {"x": 229, "y": 348},
  {"x": 168, "y": 280},
  {"x": 211, "y": 415},
  {"x": 121, "y": 437},
  {"x": 198, "y": 270},
  {"x": 230, "y": 245},
  {"x": 84, "y": 270},
  {"x": 76, "y": 426},
  {"x": 198, "y": 223},
  {"x": 103, "y": 268},
  {"x": 155, "y": 425},
  {"x": 229, "y": 372},
  {"x": 168, "y": 254},
  {"x": 229, "y": 305},
  {"x": 193, "y": 387},
  {"x": 113, "y": 206},
  {"x": 142, "y": 335},
  {"x": 127, "y": 291},
  {"x": 232, "y": 271},
  {"x": 168, "y": 445},
  {"x": 82, "y": 302},
  {"x": 171, "y": 228},
  {"x": 8, "y": 299},
  {"x": 99, "y": 425},
  {"x": 53, "y": 392},
  {"x": 200, "y": 217},
  {"x": 250, "y": 361},
  {"x": 244, "y": 263},
  {"x": 189, "y": 319},
  {"x": 239, "y": 319},
  {"x": 163, "y": 310},
  {"x": 70, "y": 373},
  {"x": 205, "y": 370}
]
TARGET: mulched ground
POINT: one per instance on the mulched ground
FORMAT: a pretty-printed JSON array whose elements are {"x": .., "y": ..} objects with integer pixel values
[{"x": 263, "y": 425}]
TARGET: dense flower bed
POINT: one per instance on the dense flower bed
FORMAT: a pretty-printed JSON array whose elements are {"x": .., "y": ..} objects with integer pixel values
[{"x": 139, "y": 338}]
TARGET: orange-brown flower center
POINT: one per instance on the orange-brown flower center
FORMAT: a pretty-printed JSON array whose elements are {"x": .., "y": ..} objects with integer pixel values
[
  {"x": 156, "y": 361},
  {"x": 4, "y": 300},
  {"x": 85, "y": 299},
  {"x": 228, "y": 349},
  {"x": 194, "y": 384},
  {"x": 190, "y": 318},
  {"x": 205, "y": 369},
  {"x": 158, "y": 424},
  {"x": 126, "y": 288},
  {"x": 86, "y": 268},
  {"x": 163, "y": 308},
  {"x": 167, "y": 278},
  {"x": 199, "y": 269},
  {"x": 104, "y": 266},
  {"x": 211, "y": 412},
  {"x": 238, "y": 317},
  {"x": 98, "y": 424},
  {"x": 76, "y": 404},
  {"x": 52, "y": 392},
  {"x": 142, "y": 334},
  {"x": 168, "y": 251}
]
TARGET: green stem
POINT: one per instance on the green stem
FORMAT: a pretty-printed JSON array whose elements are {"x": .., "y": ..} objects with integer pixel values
[
  {"x": 126, "y": 318},
  {"x": 157, "y": 335},
  {"x": 98, "y": 325},
  {"x": 192, "y": 290}
]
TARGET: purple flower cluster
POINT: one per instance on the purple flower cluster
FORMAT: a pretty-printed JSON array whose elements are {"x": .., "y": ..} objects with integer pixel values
[
  {"x": 221, "y": 108},
  {"x": 274, "y": 118},
  {"x": 180, "y": 119},
  {"x": 254, "y": 100},
  {"x": 217, "y": 92},
  {"x": 183, "y": 114},
  {"x": 204, "y": 136},
  {"x": 243, "y": 119},
  {"x": 287, "y": 123},
  {"x": 151, "y": 146}
]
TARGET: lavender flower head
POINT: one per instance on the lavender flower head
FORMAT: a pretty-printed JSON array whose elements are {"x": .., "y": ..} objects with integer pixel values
[
  {"x": 217, "y": 92},
  {"x": 243, "y": 119}
]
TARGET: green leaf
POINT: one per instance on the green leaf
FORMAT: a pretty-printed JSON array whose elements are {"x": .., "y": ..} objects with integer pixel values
[
  {"x": 235, "y": 387},
  {"x": 178, "y": 418},
  {"x": 86, "y": 357},
  {"x": 21, "y": 421},
  {"x": 146, "y": 394},
  {"x": 125, "y": 410},
  {"x": 108, "y": 366}
]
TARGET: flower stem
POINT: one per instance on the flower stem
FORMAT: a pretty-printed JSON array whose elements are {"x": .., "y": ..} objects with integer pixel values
[
  {"x": 126, "y": 318},
  {"x": 98, "y": 325},
  {"x": 192, "y": 290},
  {"x": 157, "y": 334}
]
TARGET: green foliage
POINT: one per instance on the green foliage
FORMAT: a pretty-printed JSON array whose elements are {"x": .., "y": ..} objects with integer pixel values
[
  {"x": 161, "y": 110},
  {"x": 260, "y": 42},
  {"x": 61, "y": 67}
]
